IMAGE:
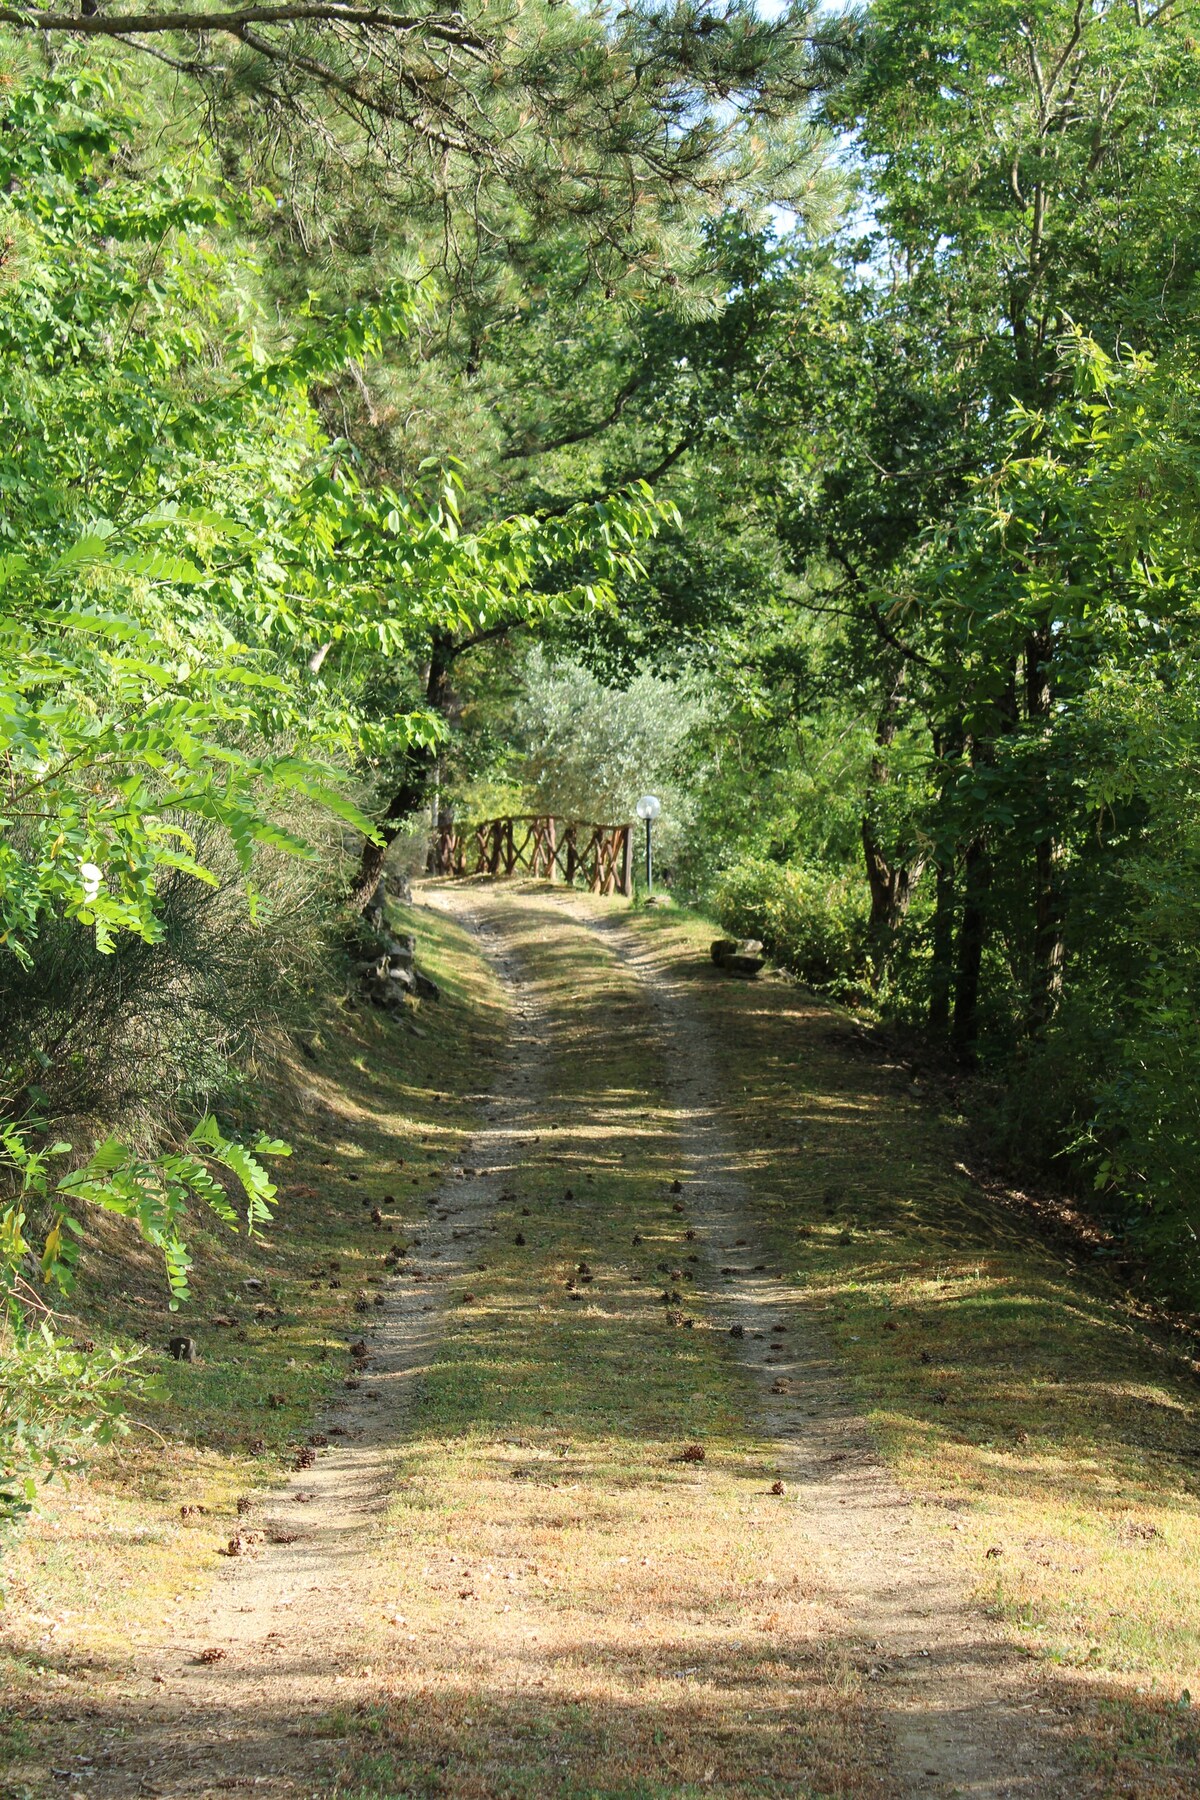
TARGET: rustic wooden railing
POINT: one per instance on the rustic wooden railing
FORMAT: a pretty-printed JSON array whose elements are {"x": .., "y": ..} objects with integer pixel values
[{"x": 533, "y": 844}]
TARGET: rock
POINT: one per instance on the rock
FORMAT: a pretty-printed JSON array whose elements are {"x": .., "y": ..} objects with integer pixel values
[
  {"x": 738, "y": 956},
  {"x": 426, "y": 989}
]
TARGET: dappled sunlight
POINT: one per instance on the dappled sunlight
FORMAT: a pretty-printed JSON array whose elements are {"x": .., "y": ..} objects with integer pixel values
[
  {"x": 986, "y": 1370},
  {"x": 629, "y": 1534}
]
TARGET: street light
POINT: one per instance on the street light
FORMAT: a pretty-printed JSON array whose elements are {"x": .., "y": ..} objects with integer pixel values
[{"x": 649, "y": 808}]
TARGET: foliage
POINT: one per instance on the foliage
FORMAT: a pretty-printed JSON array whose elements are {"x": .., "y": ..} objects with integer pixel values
[
  {"x": 810, "y": 920},
  {"x": 206, "y": 615},
  {"x": 588, "y": 751},
  {"x": 54, "y": 1399}
]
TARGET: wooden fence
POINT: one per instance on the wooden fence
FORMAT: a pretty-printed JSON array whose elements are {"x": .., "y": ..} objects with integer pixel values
[{"x": 530, "y": 844}]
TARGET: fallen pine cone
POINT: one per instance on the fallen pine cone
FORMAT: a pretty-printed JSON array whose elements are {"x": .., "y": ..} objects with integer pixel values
[
  {"x": 211, "y": 1655},
  {"x": 191, "y": 1515},
  {"x": 306, "y": 1458},
  {"x": 275, "y": 1401},
  {"x": 318, "y": 1440},
  {"x": 693, "y": 1453},
  {"x": 737, "y": 1331},
  {"x": 245, "y": 1543},
  {"x": 777, "y": 1487},
  {"x": 677, "y": 1186},
  {"x": 468, "y": 1300},
  {"x": 244, "y": 1505}
]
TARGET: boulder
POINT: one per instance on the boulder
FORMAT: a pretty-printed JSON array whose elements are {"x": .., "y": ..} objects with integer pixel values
[{"x": 738, "y": 956}]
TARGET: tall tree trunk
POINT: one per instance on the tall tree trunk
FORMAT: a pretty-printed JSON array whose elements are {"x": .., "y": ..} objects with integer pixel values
[
  {"x": 942, "y": 977},
  {"x": 891, "y": 884},
  {"x": 947, "y": 748},
  {"x": 977, "y": 879},
  {"x": 412, "y": 793},
  {"x": 976, "y": 876},
  {"x": 1046, "y": 980}
]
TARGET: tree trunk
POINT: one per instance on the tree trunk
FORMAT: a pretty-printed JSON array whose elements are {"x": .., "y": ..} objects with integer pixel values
[
  {"x": 891, "y": 884},
  {"x": 970, "y": 949},
  {"x": 942, "y": 977},
  {"x": 1046, "y": 980},
  {"x": 412, "y": 795},
  {"x": 409, "y": 798}
]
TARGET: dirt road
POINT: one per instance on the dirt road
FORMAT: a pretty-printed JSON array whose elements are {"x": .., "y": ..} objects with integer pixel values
[{"x": 596, "y": 1516}]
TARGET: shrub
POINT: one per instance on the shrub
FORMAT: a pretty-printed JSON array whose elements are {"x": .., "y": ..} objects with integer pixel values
[
  {"x": 810, "y": 920},
  {"x": 147, "y": 1036}
]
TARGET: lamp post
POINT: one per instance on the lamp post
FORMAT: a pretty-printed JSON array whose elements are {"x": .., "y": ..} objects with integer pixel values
[{"x": 648, "y": 808}]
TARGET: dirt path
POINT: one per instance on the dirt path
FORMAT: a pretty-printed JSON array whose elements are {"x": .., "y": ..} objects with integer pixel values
[
  {"x": 960, "y": 1700},
  {"x": 296, "y": 1626},
  {"x": 306, "y": 1631}
]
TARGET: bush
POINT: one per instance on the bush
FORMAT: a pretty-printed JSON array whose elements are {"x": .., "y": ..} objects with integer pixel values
[
  {"x": 146, "y": 1037},
  {"x": 810, "y": 920}
]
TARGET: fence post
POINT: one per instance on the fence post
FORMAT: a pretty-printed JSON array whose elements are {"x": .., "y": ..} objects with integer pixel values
[
  {"x": 627, "y": 860},
  {"x": 552, "y": 850}
]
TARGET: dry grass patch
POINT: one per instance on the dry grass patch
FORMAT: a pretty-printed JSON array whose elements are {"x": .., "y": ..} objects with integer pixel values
[
  {"x": 577, "y": 1610},
  {"x": 374, "y": 1115},
  {"x": 1052, "y": 1435}
]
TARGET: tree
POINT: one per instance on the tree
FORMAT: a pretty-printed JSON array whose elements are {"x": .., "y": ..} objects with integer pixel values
[{"x": 509, "y": 120}]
